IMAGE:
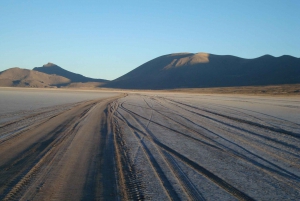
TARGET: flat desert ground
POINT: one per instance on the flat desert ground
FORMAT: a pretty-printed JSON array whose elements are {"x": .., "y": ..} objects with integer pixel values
[{"x": 102, "y": 145}]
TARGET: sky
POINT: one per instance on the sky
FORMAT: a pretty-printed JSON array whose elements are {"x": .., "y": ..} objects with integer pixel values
[{"x": 106, "y": 39}]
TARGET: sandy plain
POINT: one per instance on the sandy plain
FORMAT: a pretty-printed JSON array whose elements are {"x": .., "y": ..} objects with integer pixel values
[{"x": 96, "y": 145}]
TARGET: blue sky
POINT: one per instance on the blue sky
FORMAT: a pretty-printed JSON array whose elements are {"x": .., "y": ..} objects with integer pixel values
[{"x": 106, "y": 39}]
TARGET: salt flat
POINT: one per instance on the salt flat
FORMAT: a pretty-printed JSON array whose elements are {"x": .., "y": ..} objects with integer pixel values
[
  {"x": 16, "y": 99},
  {"x": 18, "y": 103},
  {"x": 211, "y": 147},
  {"x": 97, "y": 145}
]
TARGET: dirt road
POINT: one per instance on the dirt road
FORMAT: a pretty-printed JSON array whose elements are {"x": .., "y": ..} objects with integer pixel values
[
  {"x": 68, "y": 156},
  {"x": 154, "y": 147}
]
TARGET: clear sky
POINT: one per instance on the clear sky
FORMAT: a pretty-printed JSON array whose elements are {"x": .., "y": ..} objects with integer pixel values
[{"x": 106, "y": 39}]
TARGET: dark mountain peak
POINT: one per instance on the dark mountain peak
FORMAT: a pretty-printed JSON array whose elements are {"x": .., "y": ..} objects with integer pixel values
[
  {"x": 49, "y": 64},
  {"x": 288, "y": 57},
  {"x": 279, "y": 57},
  {"x": 268, "y": 55},
  {"x": 51, "y": 69},
  {"x": 178, "y": 54},
  {"x": 265, "y": 57}
]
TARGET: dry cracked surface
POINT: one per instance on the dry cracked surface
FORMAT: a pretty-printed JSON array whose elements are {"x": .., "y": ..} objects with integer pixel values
[{"x": 154, "y": 147}]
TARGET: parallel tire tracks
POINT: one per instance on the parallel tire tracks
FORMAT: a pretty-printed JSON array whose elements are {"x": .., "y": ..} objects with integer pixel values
[
  {"x": 131, "y": 146},
  {"x": 29, "y": 171},
  {"x": 217, "y": 180},
  {"x": 46, "y": 151}
]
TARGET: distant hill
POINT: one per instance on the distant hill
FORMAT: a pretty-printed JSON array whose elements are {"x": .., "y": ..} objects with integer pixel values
[
  {"x": 52, "y": 69},
  {"x": 188, "y": 70},
  {"x": 17, "y": 77}
]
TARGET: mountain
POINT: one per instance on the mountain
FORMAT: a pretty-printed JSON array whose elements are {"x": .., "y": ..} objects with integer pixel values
[
  {"x": 52, "y": 69},
  {"x": 17, "y": 77},
  {"x": 181, "y": 70},
  {"x": 188, "y": 70}
]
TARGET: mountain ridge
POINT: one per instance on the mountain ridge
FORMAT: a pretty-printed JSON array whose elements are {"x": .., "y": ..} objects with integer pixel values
[
  {"x": 18, "y": 77},
  {"x": 51, "y": 68},
  {"x": 209, "y": 70},
  {"x": 171, "y": 71}
]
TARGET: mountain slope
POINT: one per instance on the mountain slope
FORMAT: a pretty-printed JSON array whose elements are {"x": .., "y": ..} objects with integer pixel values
[
  {"x": 51, "y": 69},
  {"x": 187, "y": 70},
  {"x": 18, "y": 77}
]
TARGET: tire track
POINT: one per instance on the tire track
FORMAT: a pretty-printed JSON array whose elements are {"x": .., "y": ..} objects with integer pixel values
[
  {"x": 59, "y": 159},
  {"x": 171, "y": 129},
  {"x": 217, "y": 180},
  {"x": 16, "y": 127},
  {"x": 172, "y": 194},
  {"x": 277, "y": 130},
  {"x": 267, "y": 169},
  {"x": 47, "y": 150},
  {"x": 244, "y": 136},
  {"x": 130, "y": 184},
  {"x": 271, "y": 139}
]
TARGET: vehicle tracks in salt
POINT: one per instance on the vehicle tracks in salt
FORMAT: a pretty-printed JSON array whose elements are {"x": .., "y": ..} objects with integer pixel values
[{"x": 227, "y": 187}]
